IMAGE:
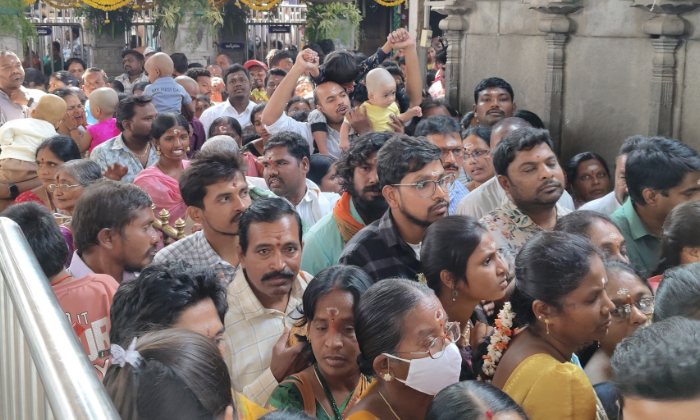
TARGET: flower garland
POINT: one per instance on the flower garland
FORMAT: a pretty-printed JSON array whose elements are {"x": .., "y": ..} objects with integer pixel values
[
  {"x": 107, "y": 5},
  {"x": 390, "y": 3},
  {"x": 260, "y": 5},
  {"x": 499, "y": 341}
]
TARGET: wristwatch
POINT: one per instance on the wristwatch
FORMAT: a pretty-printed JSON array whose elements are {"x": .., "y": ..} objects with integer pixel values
[{"x": 14, "y": 191}]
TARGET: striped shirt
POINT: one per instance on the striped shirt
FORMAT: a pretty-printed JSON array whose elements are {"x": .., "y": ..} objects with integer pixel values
[
  {"x": 380, "y": 251},
  {"x": 251, "y": 332}
]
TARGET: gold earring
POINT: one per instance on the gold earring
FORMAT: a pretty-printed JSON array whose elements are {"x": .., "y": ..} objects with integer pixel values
[
  {"x": 454, "y": 295},
  {"x": 387, "y": 377},
  {"x": 546, "y": 322},
  {"x": 188, "y": 148},
  {"x": 158, "y": 151}
]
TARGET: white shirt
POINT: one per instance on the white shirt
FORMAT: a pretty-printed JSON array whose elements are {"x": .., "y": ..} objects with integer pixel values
[
  {"x": 606, "y": 205},
  {"x": 286, "y": 123},
  {"x": 225, "y": 109},
  {"x": 489, "y": 196},
  {"x": 251, "y": 332},
  {"x": 315, "y": 203}
]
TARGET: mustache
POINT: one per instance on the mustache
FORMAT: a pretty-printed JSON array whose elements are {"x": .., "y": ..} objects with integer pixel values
[
  {"x": 151, "y": 250},
  {"x": 286, "y": 273},
  {"x": 236, "y": 218},
  {"x": 373, "y": 188},
  {"x": 552, "y": 183},
  {"x": 450, "y": 166},
  {"x": 441, "y": 202},
  {"x": 495, "y": 111}
]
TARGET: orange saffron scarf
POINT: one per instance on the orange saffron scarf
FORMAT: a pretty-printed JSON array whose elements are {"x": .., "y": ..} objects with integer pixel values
[{"x": 347, "y": 225}]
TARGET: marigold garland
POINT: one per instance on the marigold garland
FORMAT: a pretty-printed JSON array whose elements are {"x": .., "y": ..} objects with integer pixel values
[
  {"x": 107, "y": 5},
  {"x": 260, "y": 5},
  {"x": 390, "y": 3}
]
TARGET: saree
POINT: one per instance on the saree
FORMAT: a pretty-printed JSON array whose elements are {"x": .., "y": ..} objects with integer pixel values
[{"x": 164, "y": 191}]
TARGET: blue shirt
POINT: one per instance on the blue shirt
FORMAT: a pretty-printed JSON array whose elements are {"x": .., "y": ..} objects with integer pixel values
[
  {"x": 456, "y": 196},
  {"x": 167, "y": 95}
]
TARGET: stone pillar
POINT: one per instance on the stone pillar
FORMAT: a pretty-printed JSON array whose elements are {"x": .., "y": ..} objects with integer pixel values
[
  {"x": 557, "y": 26},
  {"x": 191, "y": 38},
  {"x": 455, "y": 26},
  {"x": 666, "y": 30},
  {"x": 105, "y": 52}
]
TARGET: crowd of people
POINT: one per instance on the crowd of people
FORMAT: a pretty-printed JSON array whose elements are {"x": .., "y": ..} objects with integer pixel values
[{"x": 355, "y": 247}]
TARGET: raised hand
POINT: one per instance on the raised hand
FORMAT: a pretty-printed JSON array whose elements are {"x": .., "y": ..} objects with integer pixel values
[
  {"x": 359, "y": 120},
  {"x": 396, "y": 124},
  {"x": 307, "y": 59},
  {"x": 401, "y": 39}
]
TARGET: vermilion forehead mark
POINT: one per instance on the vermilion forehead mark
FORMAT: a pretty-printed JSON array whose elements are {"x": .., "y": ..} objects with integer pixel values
[
  {"x": 333, "y": 312},
  {"x": 279, "y": 239}
]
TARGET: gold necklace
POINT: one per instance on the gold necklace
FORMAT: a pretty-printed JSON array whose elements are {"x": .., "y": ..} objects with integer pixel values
[
  {"x": 389, "y": 405},
  {"x": 148, "y": 148},
  {"x": 467, "y": 332}
]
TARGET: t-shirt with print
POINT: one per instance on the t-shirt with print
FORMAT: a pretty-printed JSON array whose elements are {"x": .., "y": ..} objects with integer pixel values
[
  {"x": 167, "y": 95},
  {"x": 86, "y": 302}
]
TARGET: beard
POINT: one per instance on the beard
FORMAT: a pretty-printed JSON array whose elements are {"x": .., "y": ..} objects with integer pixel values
[{"x": 372, "y": 209}]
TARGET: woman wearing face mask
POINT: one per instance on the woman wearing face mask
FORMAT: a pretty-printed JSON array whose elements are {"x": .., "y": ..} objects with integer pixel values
[
  {"x": 71, "y": 179},
  {"x": 408, "y": 346},
  {"x": 171, "y": 137},
  {"x": 599, "y": 230},
  {"x": 51, "y": 153},
  {"x": 168, "y": 375},
  {"x": 461, "y": 265},
  {"x": 332, "y": 385},
  {"x": 559, "y": 303}
]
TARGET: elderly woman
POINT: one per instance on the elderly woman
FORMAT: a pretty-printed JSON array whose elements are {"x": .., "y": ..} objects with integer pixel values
[
  {"x": 74, "y": 121},
  {"x": 409, "y": 348},
  {"x": 51, "y": 153},
  {"x": 588, "y": 177},
  {"x": 71, "y": 179},
  {"x": 329, "y": 388}
]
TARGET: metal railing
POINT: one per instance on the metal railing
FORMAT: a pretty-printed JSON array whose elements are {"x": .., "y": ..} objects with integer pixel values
[
  {"x": 44, "y": 371},
  {"x": 281, "y": 25}
]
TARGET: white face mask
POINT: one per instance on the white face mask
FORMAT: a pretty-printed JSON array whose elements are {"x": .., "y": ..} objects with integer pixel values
[{"x": 430, "y": 376}]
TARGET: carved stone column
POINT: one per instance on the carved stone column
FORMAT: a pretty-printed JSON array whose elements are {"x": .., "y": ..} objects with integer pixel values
[
  {"x": 455, "y": 25},
  {"x": 557, "y": 26},
  {"x": 666, "y": 30}
]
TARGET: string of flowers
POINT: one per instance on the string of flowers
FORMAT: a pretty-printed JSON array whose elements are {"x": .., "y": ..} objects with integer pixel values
[
  {"x": 260, "y": 5},
  {"x": 390, "y": 3},
  {"x": 107, "y": 5},
  {"x": 499, "y": 342}
]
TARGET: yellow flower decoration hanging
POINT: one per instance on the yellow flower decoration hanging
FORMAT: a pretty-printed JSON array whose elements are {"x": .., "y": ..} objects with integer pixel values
[
  {"x": 390, "y": 3},
  {"x": 261, "y": 5},
  {"x": 107, "y": 5}
]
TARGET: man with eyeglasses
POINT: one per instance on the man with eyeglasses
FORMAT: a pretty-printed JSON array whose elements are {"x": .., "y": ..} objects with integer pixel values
[
  {"x": 93, "y": 78},
  {"x": 443, "y": 131},
  {"x": 528, "y": 171},
  {"x": 416, "y": 187}
]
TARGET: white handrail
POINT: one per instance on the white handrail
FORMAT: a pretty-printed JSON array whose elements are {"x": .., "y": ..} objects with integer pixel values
[{"x": 37, "y": 339}]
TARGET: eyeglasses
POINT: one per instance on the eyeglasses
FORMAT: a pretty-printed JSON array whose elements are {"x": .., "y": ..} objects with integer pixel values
[
  {"x": 458, "y": 152},
  {"x": 426, "y": 189},
  {"x": 437, "y": 346},
  {"x": 645, "y": 306},
  {"x": 477, "y": 154},
  {"x": 62, "y": 187}
]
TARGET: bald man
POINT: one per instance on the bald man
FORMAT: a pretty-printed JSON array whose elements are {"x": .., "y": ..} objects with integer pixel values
[
  {"x": 489, "y": 195},
  {"x": 168, "y": 96},
  {"x": 198, "y": 136},
  {"x": 20, "y": 138}
]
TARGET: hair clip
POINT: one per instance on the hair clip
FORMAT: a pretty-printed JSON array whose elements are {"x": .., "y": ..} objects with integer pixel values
[
  {"x": 489, "y": 415},
  {"x": 121, "y": 357}
]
